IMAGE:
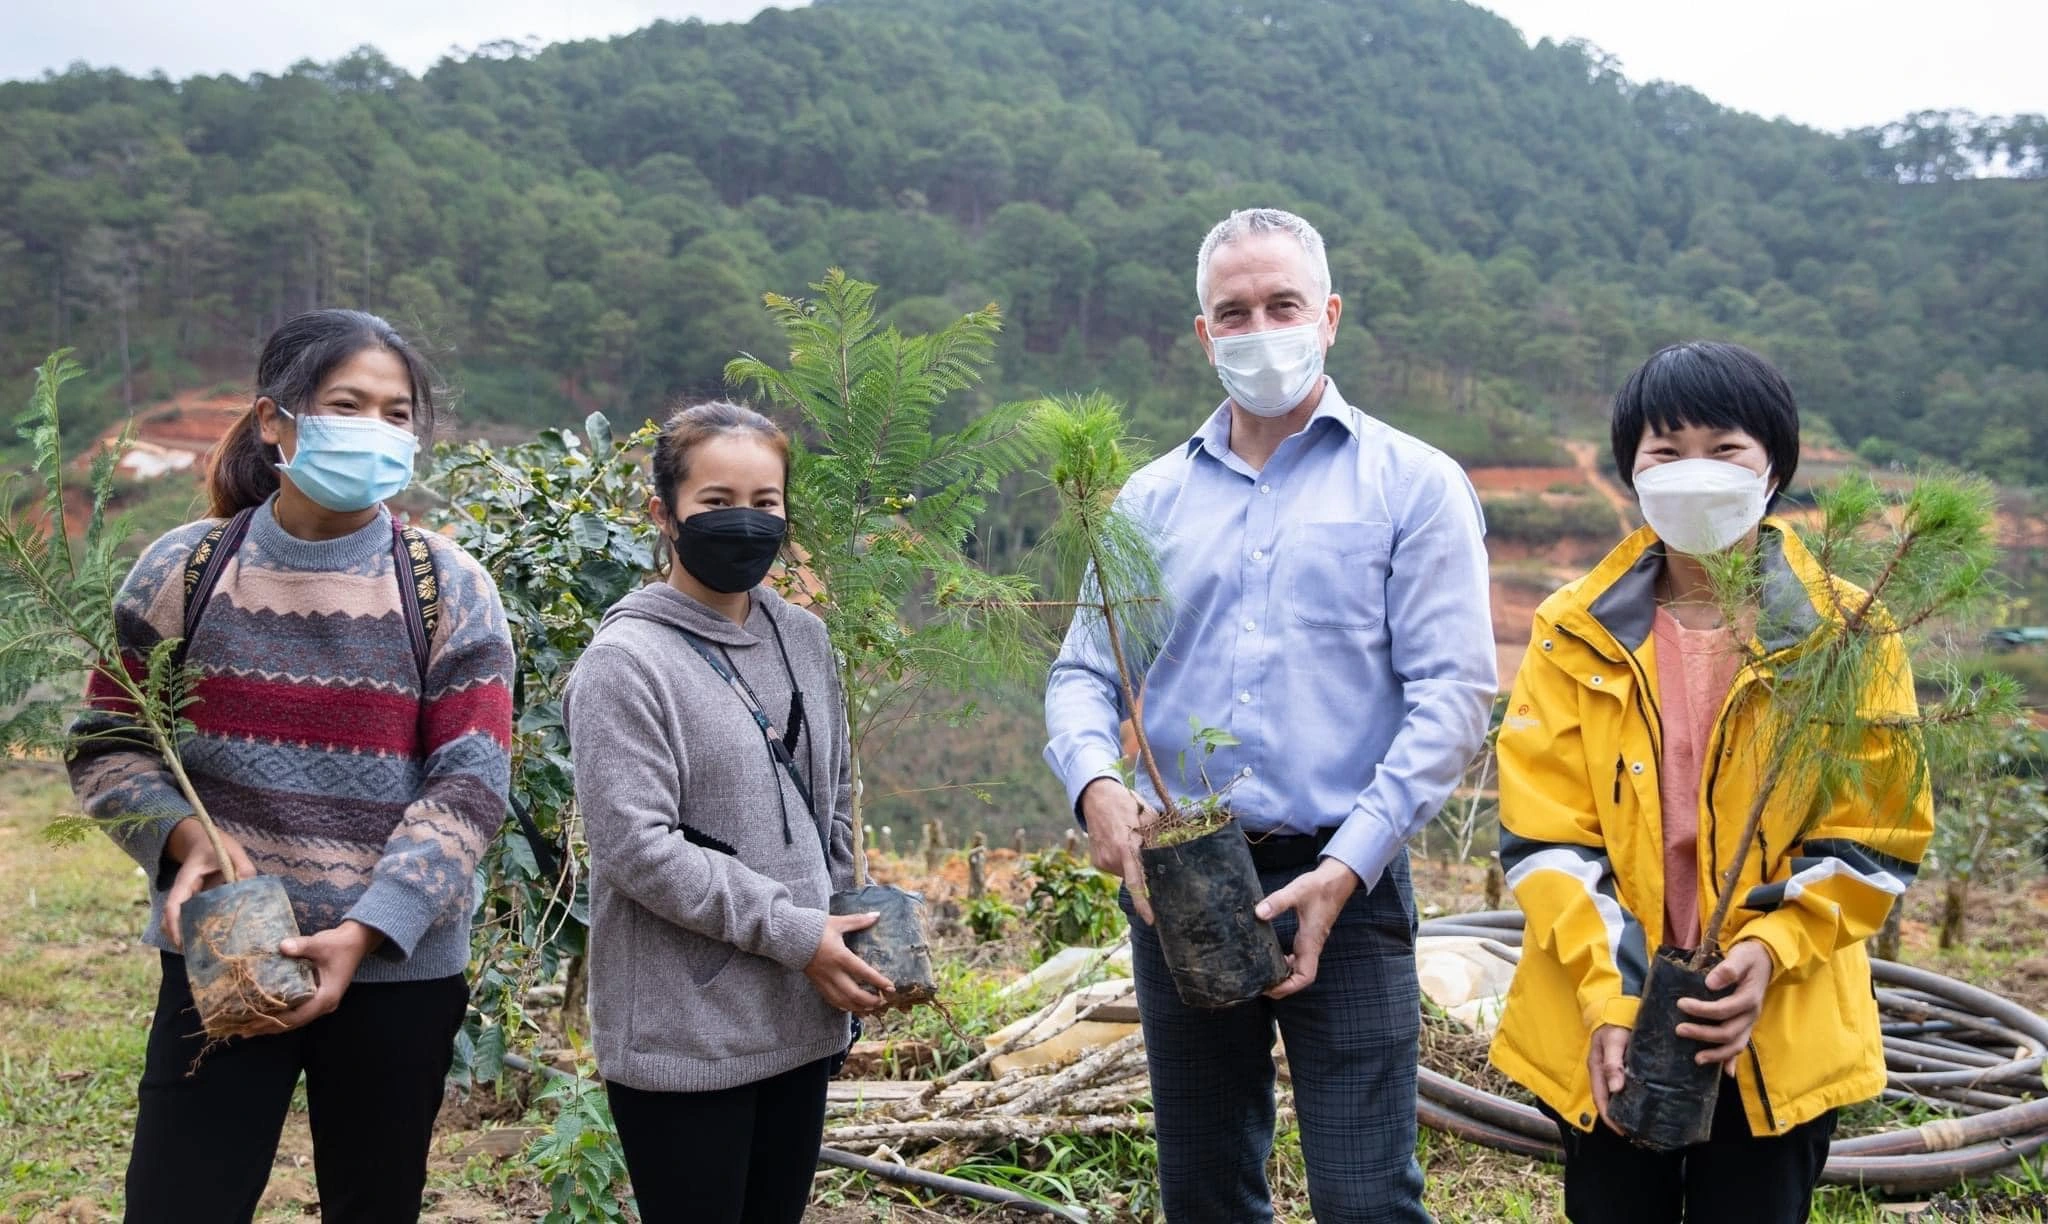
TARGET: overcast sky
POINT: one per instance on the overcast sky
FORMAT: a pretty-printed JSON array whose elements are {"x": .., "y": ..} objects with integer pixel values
[{"x": 1829, "y": 63}]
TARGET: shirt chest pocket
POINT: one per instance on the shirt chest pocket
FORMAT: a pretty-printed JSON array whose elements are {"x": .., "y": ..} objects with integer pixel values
[{"x": 1338, "y": 574}]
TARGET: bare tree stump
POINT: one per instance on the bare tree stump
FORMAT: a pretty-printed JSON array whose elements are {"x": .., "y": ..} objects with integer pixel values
[
  {"x": 977, "y": 876},
  {"x": 1955, "y": 900},
  {"x": 1496, "y": 881},
  {"x": 1017, "y": 843},
  {"x": 934, "y": 846},
  {"x": 1888, "y": 935},
  {"x": 576, "y": 997},
  {"x": 1073, "y": 842},
  {"x": 885, "y": 840}
]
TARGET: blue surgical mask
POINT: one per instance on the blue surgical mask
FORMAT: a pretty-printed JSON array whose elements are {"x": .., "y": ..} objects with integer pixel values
[
  {"x": 1269, "y": 372},
  {"x": 350, "y": 463}
]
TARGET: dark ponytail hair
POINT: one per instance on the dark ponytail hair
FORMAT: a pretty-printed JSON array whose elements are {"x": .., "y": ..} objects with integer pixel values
[
  {"x": 688, "y": 428},
  {"x": 296, "y": 359}
]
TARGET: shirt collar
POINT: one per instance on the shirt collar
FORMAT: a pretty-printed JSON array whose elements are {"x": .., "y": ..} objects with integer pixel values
[{"x": 1214, "y": 435}]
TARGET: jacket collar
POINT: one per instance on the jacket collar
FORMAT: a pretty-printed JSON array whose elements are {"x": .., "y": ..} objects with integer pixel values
[{"x": 1616, "y": 603}]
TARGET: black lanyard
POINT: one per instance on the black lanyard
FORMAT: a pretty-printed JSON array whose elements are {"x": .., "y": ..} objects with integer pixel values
[{"x": 781, "y": 749}]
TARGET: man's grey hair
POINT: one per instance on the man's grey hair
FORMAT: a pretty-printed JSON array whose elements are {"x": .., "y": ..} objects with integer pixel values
[{"x": 1249, "y": 222}]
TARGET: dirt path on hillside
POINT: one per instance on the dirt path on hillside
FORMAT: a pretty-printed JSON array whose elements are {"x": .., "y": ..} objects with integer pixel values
[{"x": 1587, "y": 457}]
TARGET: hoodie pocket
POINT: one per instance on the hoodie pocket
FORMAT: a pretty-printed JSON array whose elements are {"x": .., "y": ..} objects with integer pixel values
[
  {"x": 724, "y": 1003},
  {"x": 705, "y": 959}
]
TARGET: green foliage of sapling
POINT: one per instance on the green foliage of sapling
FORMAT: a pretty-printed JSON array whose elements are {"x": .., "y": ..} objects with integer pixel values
[
  {"x": 884, "y": 507},
  {"x": 57, "y": 615},
  {"x": 1897, "y": 565}
]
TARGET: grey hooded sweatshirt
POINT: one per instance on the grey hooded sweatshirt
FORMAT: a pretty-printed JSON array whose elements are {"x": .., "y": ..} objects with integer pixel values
[{"x": 709, "y": 876}]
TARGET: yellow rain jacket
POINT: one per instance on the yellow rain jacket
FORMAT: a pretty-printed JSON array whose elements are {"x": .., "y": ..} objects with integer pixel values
[{"x": 1582, "y": 841}]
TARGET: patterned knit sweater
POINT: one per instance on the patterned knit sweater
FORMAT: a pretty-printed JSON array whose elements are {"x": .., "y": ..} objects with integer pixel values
[{"x": 314, "y": 744}]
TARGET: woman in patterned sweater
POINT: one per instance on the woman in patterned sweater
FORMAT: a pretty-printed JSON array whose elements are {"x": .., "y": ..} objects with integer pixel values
[{"x": 340, "y": 748}]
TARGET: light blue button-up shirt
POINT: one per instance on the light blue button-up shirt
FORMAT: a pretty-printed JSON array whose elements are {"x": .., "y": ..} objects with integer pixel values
[{"x": 1329, "y": 611}]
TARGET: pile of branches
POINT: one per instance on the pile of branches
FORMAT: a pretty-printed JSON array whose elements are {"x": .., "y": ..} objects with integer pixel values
[
  {"x": 1102, "y": 1091},
  {"x": 1950, "y": 1047}
]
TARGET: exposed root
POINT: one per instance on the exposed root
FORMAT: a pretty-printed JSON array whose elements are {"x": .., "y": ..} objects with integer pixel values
[{"x": 234, "y": 1001}]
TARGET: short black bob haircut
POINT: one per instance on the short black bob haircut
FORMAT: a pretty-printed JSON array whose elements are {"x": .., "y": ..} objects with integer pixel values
[{"x": 1707, "y": 384}]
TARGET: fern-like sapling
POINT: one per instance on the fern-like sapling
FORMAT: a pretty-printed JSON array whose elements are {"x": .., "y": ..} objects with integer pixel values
[
  {"x": 57, "y": 627},
  {"x": 883, "y": 506}
]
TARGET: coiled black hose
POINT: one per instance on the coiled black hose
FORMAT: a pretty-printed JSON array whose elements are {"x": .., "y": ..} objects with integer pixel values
[{"x": 1947, "y": 1042}]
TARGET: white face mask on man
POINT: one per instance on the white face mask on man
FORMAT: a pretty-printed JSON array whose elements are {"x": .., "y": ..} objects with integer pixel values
[
  {"x": 1268, "y": 372},
  {"x": 1699, "y": 506}
]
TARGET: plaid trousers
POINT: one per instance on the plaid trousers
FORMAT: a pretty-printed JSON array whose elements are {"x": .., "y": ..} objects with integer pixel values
[{"x": 1351, "y": 1041}]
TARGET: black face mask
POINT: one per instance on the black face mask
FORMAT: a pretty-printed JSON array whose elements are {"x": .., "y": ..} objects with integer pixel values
[{"x": 730, "y": 550}]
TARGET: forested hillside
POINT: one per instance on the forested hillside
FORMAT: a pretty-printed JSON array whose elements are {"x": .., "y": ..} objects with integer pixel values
[{"x": 592, "y": 225}]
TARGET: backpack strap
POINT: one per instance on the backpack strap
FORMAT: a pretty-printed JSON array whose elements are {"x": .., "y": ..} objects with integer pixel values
[
  {"x": 419, "y": 589},
  {"x": 545, "y": 856},
  {"x": 419, "y": 596},
  {"x": 203, "y": 570},
  {"x": 419, "y": 592}
]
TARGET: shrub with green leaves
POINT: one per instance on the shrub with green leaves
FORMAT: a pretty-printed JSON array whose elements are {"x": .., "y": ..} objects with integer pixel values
[
  {"x": 1992, "y": 821},
  {"x": 1071, "y": 903},
  {"x": 580, "y": 1158},
  {"x": 1542, "y": 520},
  {"x": 559, "y": 524},
  {"x": 987, "y": 917}
]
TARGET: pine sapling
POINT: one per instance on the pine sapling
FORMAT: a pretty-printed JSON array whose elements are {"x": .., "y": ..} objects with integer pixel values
[
  {"x": 1200, "y": 876},
  {"x": 1898, "y": 565}
]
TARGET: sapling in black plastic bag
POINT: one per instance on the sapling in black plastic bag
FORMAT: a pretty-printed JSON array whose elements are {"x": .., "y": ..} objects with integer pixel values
[
  {"x": 1825, "y": 688},
  {"x": 1199, "y": 876},
  {"x": 57, "y": 628}
]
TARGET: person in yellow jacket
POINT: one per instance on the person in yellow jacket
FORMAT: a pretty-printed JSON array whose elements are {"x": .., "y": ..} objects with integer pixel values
[{"x": 1628, "y": 762}]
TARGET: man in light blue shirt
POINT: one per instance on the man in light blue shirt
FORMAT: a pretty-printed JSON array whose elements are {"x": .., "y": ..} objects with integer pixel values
[{"x": 1328, "y": 608}]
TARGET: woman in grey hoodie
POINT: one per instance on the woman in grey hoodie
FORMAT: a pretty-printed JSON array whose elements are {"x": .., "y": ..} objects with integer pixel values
[{"x": 709, "y": 735}]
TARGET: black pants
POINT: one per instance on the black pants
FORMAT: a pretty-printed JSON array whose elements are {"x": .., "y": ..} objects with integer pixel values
[
  {"x": 740, "y": 1155},
  {"x": 1351, "y": 1043},
  {"x": 1732, "y": 1178},
  {"x": 374, "y": 1068}
]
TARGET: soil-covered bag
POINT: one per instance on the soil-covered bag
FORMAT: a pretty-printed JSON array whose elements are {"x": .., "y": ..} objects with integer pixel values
[
  {"x": 240, "y": 982},
  {"x": 1204, "y": 892},
  {"x": 1668, "y": 1101},
  {"x": 899, "y": 945}
]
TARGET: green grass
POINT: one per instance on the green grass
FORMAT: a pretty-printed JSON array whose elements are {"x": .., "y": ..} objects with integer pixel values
[
  {"x": 76, "y": 995},
  {"x": 75, "y": 999}
]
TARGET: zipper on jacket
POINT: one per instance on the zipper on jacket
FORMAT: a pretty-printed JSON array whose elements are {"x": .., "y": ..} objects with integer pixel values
[
  {"x": 1763, "y": 1094},
  {"x": 1620, "y": 763}
]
